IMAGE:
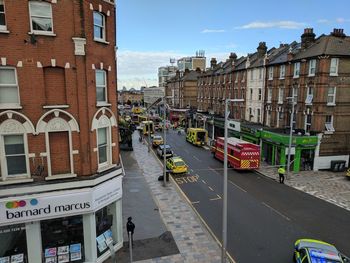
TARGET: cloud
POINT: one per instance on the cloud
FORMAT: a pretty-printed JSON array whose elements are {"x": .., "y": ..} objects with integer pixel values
[
  {"x": 341, "y": 20},
  {"x": 140, "y": 68},
  {"x": 275, "y": 24},
  {"x": 205, "y": 31},
  {"x": 323, "y": 21}
]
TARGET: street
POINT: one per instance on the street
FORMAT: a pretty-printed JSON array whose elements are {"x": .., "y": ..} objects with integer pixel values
[{"x": 265, "y": 218}]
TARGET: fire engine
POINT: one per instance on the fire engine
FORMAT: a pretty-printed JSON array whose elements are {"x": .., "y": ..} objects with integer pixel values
[{"x": 240, "y": 154}]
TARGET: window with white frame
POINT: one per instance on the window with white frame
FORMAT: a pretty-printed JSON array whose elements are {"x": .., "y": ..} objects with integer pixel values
[
  {"x": 329, "y": 123},
  {"x": 99, "y": 26},
  {"x": 312, "y": 67},
  {"x": 333, "y": 71},
  {"x": 260, "y": 94},
  {"x": 2, "y": 16},
  {"x": 308, "y": 119},
  {"x": 102, "y": 140},
  {"x": 250, "y": 113},
  {"x": 282, "y": 71},
  {"x": 270, "y": 73},
  {"x": 295, "y": 93},
  {"x": 101, "y": 86},
  {"x": 331, "y": 96},
  {"x": 280, "y": 94},
  {"x": 309, "y": 95},
  {"x": 269, "y": 94},
  {"x": 280, "y": 115},
  {"x": 40, "y": 17},
  {"x": 9, "y": 96},
  {"x": 236, "y": 77},
  {"x": 296, "y": 70},
  {"x": 15, "y": 155}
]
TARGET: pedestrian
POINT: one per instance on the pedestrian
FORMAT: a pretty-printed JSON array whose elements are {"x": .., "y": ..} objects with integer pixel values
[
  {"x": 130, "y": 227},
  {"x": 281, "y": 172}
]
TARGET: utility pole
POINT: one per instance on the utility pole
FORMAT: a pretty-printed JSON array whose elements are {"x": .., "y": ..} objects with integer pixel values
[
  {"x": 290, "y": 135},
  {"x": 164, "y": 142}
]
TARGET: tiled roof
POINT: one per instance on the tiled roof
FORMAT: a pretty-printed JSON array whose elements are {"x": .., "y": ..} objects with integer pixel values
[{"x": 326, "y": 45}]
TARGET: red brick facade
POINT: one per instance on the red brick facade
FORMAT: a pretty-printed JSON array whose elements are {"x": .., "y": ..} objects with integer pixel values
[{"x": 54, "y": 80}]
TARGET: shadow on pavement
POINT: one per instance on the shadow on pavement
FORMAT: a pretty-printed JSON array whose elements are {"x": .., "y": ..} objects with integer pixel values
[{"x": 161, "y": 246}]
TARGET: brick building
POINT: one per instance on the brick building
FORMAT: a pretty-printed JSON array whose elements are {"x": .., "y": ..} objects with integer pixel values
[
  {"x": 134, "y": 96},
  {"x": 314, "y": 71},
  {"x": 59, "y": 153}
]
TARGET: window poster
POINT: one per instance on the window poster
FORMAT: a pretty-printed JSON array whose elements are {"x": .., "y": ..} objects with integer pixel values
[
  {"x": 63, "y": 258},
  {"x": 101, "y": 242},
  {"x": 108, "y": 236},
  {"x": 50, "y": 252},
  {"x": 75, "y": 252},
  {"x": 5, "y": 260},
  {"x": 18, "y": 258},
  {"x": 63, "y": 250},
  {"x": 50, "y": 260}
]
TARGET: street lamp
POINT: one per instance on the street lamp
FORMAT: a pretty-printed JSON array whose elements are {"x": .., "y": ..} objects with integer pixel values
[
  {"x": 164, "y": 139},
  {"x": 290, "y": 133},
  {"x": 224, "y": 197}
]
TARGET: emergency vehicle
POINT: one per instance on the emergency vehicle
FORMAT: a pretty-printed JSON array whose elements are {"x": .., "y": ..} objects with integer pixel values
[
  {"x": 240, "y": 154},
  {"x": 147, "y": 126},
  {"x": 197, "y": 136}
]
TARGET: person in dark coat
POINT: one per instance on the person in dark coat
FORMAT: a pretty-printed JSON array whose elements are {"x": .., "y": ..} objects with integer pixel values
[{"x": 130, "y": 227}]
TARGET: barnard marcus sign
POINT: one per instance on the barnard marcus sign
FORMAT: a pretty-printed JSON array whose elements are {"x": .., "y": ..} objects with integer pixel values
[{"x": 60, "y": 203}]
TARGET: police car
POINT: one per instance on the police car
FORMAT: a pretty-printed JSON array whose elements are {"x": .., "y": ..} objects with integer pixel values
[{"x": 314, "y": 251}]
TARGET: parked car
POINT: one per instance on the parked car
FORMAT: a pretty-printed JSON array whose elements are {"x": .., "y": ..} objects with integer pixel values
[
  {"x": 157, "y": 140},
  {"x": 348, "y": 173},
  {"x": 176, "y": 165},
  {"x": 168, "y": 151},
  {"x": 311, "y": 250}
]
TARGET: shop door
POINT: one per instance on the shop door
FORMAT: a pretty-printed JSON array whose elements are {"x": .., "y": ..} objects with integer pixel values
[
  {"x": 307, "y": 160},
  {"x": 268, "y": 152}
]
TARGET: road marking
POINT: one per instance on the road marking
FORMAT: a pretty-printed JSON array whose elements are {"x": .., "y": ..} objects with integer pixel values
[
  {"x": 196, "y": 158},
  {"x": 240, "y": 188},
  {"x": 204, "y": 182},
  {"x": 279, "y": 213},
  {"x": 187, "y": 179},
  {"x": 216, "y": 198},
  {"x": 195, "y": 202},
  {"x": 214, "y": 171},
  {"x": 211, "y": 188},
  {"x": 186, "y": 151}
]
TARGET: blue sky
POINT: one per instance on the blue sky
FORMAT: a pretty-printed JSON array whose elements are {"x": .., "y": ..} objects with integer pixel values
[{"x": 149, "y": 32}]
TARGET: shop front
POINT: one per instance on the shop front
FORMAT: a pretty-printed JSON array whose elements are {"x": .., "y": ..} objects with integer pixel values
[
  {"x": 275, "y": 146},
  {"x": 80, "y": 225},
  {"x": 250, "y": 133}
]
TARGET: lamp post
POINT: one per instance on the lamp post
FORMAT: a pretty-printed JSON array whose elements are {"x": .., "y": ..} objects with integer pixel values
[
  {"x": 224, "y": 197},
  {"x": 290, "y": 134},
  {"x": 164, "y": 142}
]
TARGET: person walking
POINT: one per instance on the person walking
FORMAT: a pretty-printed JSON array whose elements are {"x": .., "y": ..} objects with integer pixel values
[
  {"x": 281, "y": 173},
  {"x": 130, "y": 227}
]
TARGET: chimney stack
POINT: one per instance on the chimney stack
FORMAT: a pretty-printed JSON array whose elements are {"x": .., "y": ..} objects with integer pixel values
[
  {"x": 233, "y": 56},
  {"x": 213, "y": 63},
  {"x": 338, "y": 32},
  {"x": 307, "y": 38},
  {"x": 262, "y": 49}
]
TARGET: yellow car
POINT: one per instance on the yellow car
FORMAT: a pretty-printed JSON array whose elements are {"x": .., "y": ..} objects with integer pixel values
[
  {"x": 348, "y": 173},
  {"x": 311, "y": 250},
  {"x": 157, "y": 140},
  {"x": 176, "y": 165}
]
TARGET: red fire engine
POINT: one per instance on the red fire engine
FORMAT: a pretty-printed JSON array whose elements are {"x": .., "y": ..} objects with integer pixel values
[{"x": 240, "y": 154}]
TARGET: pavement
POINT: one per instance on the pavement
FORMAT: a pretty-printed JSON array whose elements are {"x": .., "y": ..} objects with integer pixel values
[
  {"x": 167, "y": 228},
  {"x": 329, "y": 186}
]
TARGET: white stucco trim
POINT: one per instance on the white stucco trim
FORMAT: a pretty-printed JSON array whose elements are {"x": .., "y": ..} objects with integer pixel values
[
  {"x": 41, "y": 125},
  {"x": 95, "y": 122},
  {"x": 28, "y": 125}
]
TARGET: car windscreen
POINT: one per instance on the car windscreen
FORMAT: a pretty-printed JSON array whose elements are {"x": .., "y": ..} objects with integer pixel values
[
  {"x": 179, "y": 163},
  {"x": 157, "y": 138},
  {"x": 201, "y": 136}
]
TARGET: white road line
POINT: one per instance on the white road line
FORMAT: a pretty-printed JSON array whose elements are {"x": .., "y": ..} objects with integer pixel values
[
  {"x": 214, "y": 171},
  {"x": 186, "y": 151},
  {"x": 195, "y": 202},
  {"x": 214, "y": 199},
  {"x": 277, "y": 212},
  {"x": 240, "y": 188},
  {"x": 191, "y": 170},
  {"x": 211, "y": 188},
  {"x": 196, "y": 158},
  {"x": 204, "y": 182}
]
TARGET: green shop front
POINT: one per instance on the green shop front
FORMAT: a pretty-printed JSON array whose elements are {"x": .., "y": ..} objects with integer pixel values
[
  {"x": 250, "y": 133},
  {"x": 274, "y": 150}
]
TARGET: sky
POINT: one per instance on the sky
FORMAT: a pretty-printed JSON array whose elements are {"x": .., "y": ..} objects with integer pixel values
[{"x": 150, "y": 32}]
